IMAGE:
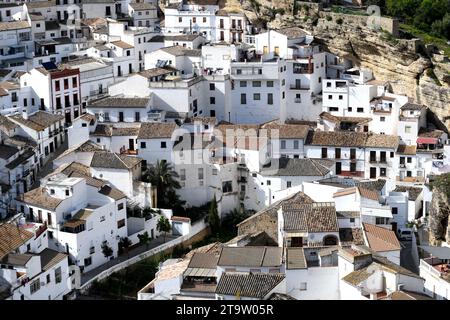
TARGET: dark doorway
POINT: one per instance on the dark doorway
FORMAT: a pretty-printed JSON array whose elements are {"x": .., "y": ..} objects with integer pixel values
[
  {"x": 338, "y": 167},
  {"x": 68, "y": 118},
  {"x": 120, "y": 116},
  {"x": 131, "y": 144},
  {"x": 52, "y": 148},
  {"x": 373, "y": 173},
  {"x": 296, "y": 242},
  {"x": 56, "y": 142}
]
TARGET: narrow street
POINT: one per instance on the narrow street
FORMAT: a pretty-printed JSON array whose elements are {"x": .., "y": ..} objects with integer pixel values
[
  {"x": 406, "y": 259},
  {"x": 48, "y": 166}
]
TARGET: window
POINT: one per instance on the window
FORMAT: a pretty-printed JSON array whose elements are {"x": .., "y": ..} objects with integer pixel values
[
  {"x": 341, "y": 97},
  {"x": 381, "y": 220},
  {"x": 256, "y": 96},
  {"x": 120, "y": 206},
  {"x": 242, "y": 84},
  {"x": 288, "y": 184},
  {"x": 204, "y": 19},
  {"x": 66, "y": 84},
  {"x": 227, "y": 186},
  {"x": 48, "y": 278},
  {"x": 163, "y": 145},
  {"x": 330, "y": 97},
  {"x": 212, "y": 100},
  {"x": 324, "y": 153},
  {"x": 352, "y": 220},
  {"x": 200, "y": 173},
  {"x": 58, "y": 275},
  {"x": 268, "y": 182},
  {"x": 57, "y": 85},
  {"x": 270, "y": 98},
  {"x": 296, "y": 144},
  {"x": 394, "y": 210},
  {"x": 52, "y": 191},
  {"x": 283, "y": 95},
  {"x": 120, "y": 223},
  {"x": 87, "y": 261},
  {"x": 298, "y": 98},
  {"x": 143, "y": 145},
  {"x": 243, "y": 98},
  {"x": 194, "y": 19},
  {"x": 409, "y": 160},
  {"x": 408, "y": 129},
  {"x": 102, "y": 218},
  {"x": 67, "y": 193},
  {"x": 382, "y": 172},
  {"x": 214, "y": 172},
  {"x": 182, "y": 174},
  {"x": 350, "y": 109},
  {"x": 382, "y": 119},
  {"x": 303, "y": 286},
  {"x": 66, "y": 101},
  {"x": 75, "y": 99},
  {"x": 283, "y": 144},
  {"x": 137, "y": 116},
  {"x": 328, "y": 84},
  {"x": 74, "y": 82},
  {"x": 337, "y": 153},
  {"x": 269, "y": 84},
  {"x": 256, "y": 83},
  {"x": 212, "y": 86},
  {"x": 359, "y": 110},
  {"x": 25, "y": 102},
  {"x": 35, "y": 286}
]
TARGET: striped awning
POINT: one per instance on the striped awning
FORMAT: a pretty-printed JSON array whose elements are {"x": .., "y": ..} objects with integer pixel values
[{"x": 199, "y": 272}]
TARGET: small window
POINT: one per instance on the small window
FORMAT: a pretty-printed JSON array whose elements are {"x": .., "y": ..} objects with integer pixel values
[
  {"x": 143, "y": 145},
  {"x": 48, "y": 278},
  {"x": 84, "y": 125},
  {"x": 283, "y": 144},
  {"x": 394, "y": 210},
  {"x": 256, "y": 96},
  {"x": 120, "y": 206},
  {"x": 214, "y": 172},
  {"x": 268, "y": 182},
  {"x": 52, "y": 191},
  {"x": 243, "y": 84},
  {"x": 163, "y": 145},
  {"x": 382, "y": 119},
  {"x": 359, "y": 110},
  {"x": 269, "y": 83},
  {"x": 288, "y": 184},
  {"x": 352, "y": 220},
  {"x": 212, "y": 100},
  {"x": 256, "y": 83},
  {"x": 341, "y": 97},
  {"x": 212, "y": 86},
  {"x": 67, "y": 193}
]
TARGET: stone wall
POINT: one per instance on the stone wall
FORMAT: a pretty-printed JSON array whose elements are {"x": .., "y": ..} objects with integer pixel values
[{"x": 388, "y": 24}]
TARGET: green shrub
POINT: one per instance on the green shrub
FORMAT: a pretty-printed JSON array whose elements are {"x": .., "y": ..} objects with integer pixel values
[{"x": 339, "y": 21}]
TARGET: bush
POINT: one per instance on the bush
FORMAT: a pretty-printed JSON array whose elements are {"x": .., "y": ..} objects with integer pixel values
[
  {"x": 339, "y": 21},
  {"x": 329, "y": 18}
]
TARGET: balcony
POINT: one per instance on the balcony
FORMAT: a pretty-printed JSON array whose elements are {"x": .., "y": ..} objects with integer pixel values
[
  {"x": 295, "y": 87},
  {"x": 126, "y": 151}
]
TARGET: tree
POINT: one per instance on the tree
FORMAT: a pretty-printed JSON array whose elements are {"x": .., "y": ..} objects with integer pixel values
[
  {"x": 125, "y": 244},
  {"x": 144, "y": 239},
  {"x": 165, "y": 179},
  {"x": 107, "y": 250},
  {"x": 213, "y": 216},
  {"x": 163, "y": 226}
]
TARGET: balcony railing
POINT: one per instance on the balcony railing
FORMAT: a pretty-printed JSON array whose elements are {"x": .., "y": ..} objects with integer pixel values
[{"x": 295, "y": 87}]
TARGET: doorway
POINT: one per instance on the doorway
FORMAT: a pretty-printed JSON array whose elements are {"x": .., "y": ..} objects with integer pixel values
[
  {"x": 373, "y": 173},
  {"x": 338, "y": 167},
  {"x": 131, "y": 144}
]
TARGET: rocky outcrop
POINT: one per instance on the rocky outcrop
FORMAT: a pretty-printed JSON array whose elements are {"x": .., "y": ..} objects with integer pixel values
[{"x": 440, "y": 211}]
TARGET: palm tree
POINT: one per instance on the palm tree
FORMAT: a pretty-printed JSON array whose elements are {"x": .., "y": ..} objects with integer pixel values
[
  {"x": 163, "y": 226},
  {"x": 164, "y": 177},
  {"x": 144, "y": 239},
  {"x": 125, "y": 244}
]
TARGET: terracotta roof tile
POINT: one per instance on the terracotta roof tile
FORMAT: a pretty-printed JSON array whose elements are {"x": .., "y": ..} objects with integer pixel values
[{"x": 380, "y": 239}]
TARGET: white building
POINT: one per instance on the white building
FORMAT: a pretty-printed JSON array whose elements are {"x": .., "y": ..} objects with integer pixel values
[{"x": 81, "y": 217}]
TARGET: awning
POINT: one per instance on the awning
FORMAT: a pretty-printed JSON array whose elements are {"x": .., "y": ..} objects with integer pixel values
[{"x": 422, "y": 140}]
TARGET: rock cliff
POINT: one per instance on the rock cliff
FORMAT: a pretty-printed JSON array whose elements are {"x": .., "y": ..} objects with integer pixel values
[{"x": 440, "y": 211}]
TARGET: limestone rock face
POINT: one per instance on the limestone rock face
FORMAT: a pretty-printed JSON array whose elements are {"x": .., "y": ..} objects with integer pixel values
[{"x": 439, "y": 214}]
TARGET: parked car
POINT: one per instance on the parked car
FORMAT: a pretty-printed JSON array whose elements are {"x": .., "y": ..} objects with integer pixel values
[{"x": 405, "y": 234}]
